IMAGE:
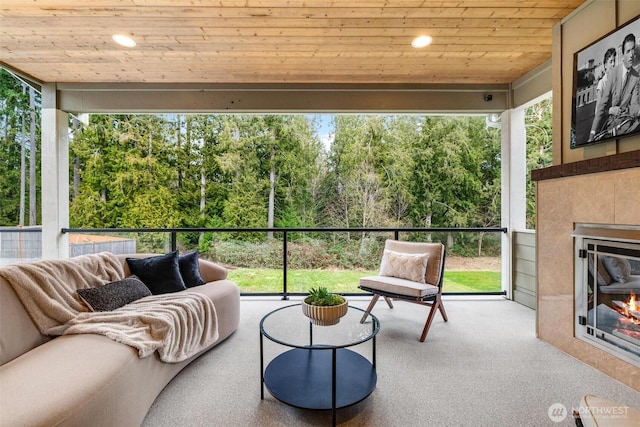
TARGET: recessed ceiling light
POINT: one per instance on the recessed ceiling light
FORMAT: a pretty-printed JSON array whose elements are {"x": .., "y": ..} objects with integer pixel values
[
  {"x": 421, "y": 41},
  {"x": 123, "y": 40}
]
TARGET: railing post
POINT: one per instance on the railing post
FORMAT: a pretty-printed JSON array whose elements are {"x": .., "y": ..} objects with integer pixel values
[
  {"x": 396, "y": 234},
  {"x": 174, "y": 241},
  {"x": 285, "y": 295}
]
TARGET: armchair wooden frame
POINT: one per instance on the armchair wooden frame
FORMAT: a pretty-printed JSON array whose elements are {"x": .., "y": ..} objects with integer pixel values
[{"x": 429, "y": 294}]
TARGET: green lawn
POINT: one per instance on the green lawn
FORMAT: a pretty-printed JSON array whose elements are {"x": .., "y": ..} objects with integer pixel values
[{"x": 346, "y": 281}]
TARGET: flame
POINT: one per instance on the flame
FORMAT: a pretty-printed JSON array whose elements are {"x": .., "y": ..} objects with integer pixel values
[
  {"x": 629, "y": 309},
  {"x": 628, "y": 321}
]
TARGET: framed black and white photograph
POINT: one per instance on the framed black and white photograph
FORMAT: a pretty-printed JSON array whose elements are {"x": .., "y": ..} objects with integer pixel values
[{"x": 606, "y": 87}]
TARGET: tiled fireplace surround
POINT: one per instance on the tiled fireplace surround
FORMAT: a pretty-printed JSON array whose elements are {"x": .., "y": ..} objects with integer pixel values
[{"x": 600, "y": 198}]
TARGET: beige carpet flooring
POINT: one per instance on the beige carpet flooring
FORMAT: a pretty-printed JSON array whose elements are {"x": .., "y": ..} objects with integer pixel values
[{"x": 484, "y": 367}]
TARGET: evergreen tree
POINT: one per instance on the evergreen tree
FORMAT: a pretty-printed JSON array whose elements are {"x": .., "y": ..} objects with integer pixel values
[
  {"x": 355, "y": 154},
  {"x": 127, "y": 174},
  {"x": 538, "y": 125},
  {"x": 19, "y": 133}
]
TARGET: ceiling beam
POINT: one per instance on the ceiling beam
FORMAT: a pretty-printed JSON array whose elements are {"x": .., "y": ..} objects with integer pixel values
[{"x": 254, "y": 98}]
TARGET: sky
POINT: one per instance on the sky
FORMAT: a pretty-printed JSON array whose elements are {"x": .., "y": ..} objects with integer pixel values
[{"x": 325, "y": 128}]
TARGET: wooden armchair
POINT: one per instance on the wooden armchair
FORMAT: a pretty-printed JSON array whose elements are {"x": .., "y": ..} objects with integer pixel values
[{"x": 410, "y": 272}]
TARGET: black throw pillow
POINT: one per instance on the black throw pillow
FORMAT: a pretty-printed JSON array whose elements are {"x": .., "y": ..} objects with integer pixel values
[
  {"x": 114, "y": 295},
  {"x": 190, "y": 269},
  {"x": 160, "y": 273}
]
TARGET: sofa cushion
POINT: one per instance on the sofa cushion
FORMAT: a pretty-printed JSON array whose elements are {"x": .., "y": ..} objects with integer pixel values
[
  {"x": 394, "y": 285},
  {"x": 404, "y": 266},
  {"x": 115, "y": 294},
  {"x": 82, "y": 380},
  {"x": 18, "y": 333},
  {"x": 160, "y": 273},
  {"x": 190, "y": 269}
]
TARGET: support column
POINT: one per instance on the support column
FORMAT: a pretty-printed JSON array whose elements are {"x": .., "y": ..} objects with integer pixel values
[
  {"x": 55, "y": 175},
  {"x": 514, "y": 187}
]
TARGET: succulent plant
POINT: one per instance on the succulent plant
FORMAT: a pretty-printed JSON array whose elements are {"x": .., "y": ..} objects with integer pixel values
[{"x": 320, "y": 296}]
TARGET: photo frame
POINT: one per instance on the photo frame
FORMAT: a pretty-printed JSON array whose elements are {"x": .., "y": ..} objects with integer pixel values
[{"x": 606, "y": 98}]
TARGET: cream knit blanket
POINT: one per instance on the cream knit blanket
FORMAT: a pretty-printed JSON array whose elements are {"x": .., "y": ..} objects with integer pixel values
[{"x": 177, "y": 325}]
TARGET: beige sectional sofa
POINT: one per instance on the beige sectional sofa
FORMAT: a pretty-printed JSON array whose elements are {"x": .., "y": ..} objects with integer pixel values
[{"x": 89, "y": 379}]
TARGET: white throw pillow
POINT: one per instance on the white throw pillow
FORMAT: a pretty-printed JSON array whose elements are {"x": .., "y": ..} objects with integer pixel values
[
  {"x": 619, "y": 268},
  {"x": 603, "y": 275},
  {"x": 404, "y": 266}
]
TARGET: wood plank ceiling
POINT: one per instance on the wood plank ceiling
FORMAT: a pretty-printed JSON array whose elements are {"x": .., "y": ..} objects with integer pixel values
[{"x": 278, "y": 41}]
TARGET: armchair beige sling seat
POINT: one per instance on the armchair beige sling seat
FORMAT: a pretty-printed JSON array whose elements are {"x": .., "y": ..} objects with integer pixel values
[{"x": 409, "y": 271}]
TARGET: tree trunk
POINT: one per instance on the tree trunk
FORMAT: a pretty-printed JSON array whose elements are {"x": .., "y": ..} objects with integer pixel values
[
  {"x": 346, "y": 217},
  {"x": 179, "y": 146},
  {"x": 203, "y": 199},
  {"x": 203, "y": 192},
  {"x": 33, "y": 158},
  {"x": 76, "y": 164},
  {"x": 480, "y": 244},
  {"x": 427, "y": 224},
  {"x": 23, "y": 173},
  {"x": 272, "y": 194}
]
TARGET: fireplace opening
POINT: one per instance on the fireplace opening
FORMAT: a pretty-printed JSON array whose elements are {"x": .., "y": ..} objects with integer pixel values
[{"x": 607, "y": 293}]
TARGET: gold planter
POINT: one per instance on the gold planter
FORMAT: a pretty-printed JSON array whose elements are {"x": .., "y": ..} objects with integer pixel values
[{"x": 324, "y": 315}]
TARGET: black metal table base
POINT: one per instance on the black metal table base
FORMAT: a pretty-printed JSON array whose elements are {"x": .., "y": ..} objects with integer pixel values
[{"x": 302, "y": 378}]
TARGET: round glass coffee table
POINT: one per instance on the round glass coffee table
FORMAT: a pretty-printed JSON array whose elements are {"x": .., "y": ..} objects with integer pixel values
[{"x": 319, "y": 371}]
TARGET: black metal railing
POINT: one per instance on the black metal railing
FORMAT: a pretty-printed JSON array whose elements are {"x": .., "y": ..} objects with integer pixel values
[
  {"x": 12, "y": 236},
  {"x": 283, "y": 235}
]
